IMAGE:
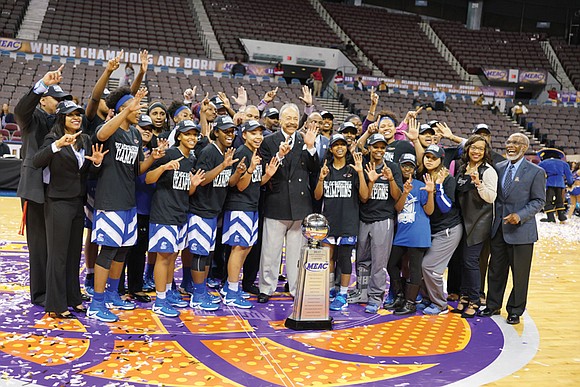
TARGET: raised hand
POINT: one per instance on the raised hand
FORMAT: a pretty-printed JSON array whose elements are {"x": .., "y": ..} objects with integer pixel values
[
  {"x": 408, "y": 186},
  {"x": 224, "y": 99},
  {"x": 475, "y": 178},
  {"x": 443, "y": 130},
  {"x": 306, "y": 96},
  {"x": 413, "y": 132},
  {"x": 429, "y": 184},
  {"x": 53, "y": 77},
  {"x": 270, "y": 95},
  {"x": 256, "y": 160},
  {"x": 189, "y": 94},
  {"x": 324, "y": 171},
  {"x": 387, "y": 173},
  {"x": 67, "y": 139},
  {"x": 98, "y": 154},
  {"x": 272, "y": 167},
  {"x": 204, "y": 104},
  {"x": 162, "y": 144},
  {"x": 358, "y": 159},
  {"x": 310, "y": 135},
  {"x": 242, "y": 98},
  {"x": 113, "y": 64},
  {"x": 158, "y": 153},
  {"x": 198, "y": 178},
  {"x": 144, "y": 60},
  {"x": 374, "y": 98},
  {"x": 110, "y": 115},
  {"x": 242, "y": 168},
  {"x": 229, "y": 158},
  {"x": 136, "y": 102},
  {"x": 284, "y": 148},
  {"x": 412, "y": 114},
  {"x": 373, "y": 128},
  {"x": 172, "y": 165},
  {"x": 371, "y": 171},
  {"x": 442, "y": 174}
]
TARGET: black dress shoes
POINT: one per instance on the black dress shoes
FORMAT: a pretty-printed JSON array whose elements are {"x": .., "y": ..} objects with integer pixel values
[
  {"x": 513, "y": 319},
  {"x": 263, "y": 298},
  {"x": 85, "y": 297},
  {"x": 141, "y": 297},
  {"x": 252, "y": 289},
  {"x": 80, "y": 309},
  {"x": 64, "y": 315},
  {"x": 488, "y": 312}
]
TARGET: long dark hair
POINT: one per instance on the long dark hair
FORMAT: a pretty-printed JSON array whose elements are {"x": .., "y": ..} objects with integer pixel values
[
  {"x": 465, "y": 156},
  {"x": 59, "y": 130}
]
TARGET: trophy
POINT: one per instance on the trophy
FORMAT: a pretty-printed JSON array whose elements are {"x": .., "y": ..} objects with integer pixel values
[{"x": 310, "y": 310}]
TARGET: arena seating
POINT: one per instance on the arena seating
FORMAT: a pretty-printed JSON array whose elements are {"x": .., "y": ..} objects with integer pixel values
[
  {"x": 569, "y": 56},
  {"x": 129, "y": 25},
  {"x": 394, "y": 42},
  {"x": 293, "y": 22},
  {"x": 11, "y": 15},
  {"x": 462, "y": 119},
  {"x": 488, "y": 47},
  {"x": 558, "y": 123}
]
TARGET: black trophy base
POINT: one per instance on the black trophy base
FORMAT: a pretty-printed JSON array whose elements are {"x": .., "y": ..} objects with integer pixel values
[{"x": 309, "y": 325}]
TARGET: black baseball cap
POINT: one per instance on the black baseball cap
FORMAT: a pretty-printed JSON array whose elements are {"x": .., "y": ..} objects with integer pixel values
[
  {"x": 67, "y": 107},
  {"x": 57, "y": 92},
  {"x": 432, "y": 123},
  {"x": 337, "y": 137},
  {"x": 224, "y": 122},
  {"x": 435, "y": 150},
  {"x": 408, "y": 158},
  {"x": 272, "y": 113},
  {"x": 425, "y": 127},
  {"x": 347, "y": 127},
  {"x": 144, "y": 121},
  {"x": 327, "y": 114},
  {"x": 185, "y": 126},
  {"x": 219, "y": 104},
  {"x": 481, "y": 127},
  {"x": 250, "y": 125},
  {"x": 377, "y": 137}
]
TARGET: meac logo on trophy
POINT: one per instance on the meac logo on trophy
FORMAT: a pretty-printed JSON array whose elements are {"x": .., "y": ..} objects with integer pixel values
[{"x": 311, "y": 303}]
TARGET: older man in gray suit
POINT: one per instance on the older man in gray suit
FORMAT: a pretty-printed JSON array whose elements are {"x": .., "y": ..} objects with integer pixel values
[{"x": 520, "y": 196}]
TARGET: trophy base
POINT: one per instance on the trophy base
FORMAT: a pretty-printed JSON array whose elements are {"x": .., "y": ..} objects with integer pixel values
[{"x": 308, "y": 325}]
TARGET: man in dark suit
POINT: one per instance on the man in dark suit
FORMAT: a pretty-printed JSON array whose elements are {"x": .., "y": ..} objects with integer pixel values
[
  {"x": 287, "y": 199},
  {"x": 35, "y": 115},
  {"x": 520, "y": 196}
]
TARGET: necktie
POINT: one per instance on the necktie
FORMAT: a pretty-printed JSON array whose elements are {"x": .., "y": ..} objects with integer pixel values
[
  {"x": 291, "y": 142},
  {"x": 509, "y": 178}
]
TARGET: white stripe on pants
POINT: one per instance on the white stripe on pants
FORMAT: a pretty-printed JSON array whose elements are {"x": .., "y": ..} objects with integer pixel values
[
  {"x": 272, "y": 241},
  {"x": 435, "y": 261}
]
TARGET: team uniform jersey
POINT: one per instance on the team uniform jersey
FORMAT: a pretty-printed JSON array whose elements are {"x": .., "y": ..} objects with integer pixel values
[
  {"x": 208, "y": 200},
  {"x": 381, "y": 204},
  {"x": 445, "y": 194},
  {"x": 396, "y": 149},
  {"x": 116, "y": 188},
  {"x": 340, "y": 201},
  {"x": 413, "y": 229},
  {"x": 246, "y": 200}
]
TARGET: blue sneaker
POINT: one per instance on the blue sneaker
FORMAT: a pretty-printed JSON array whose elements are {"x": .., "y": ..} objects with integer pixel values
[
  {"x": 433, "y": 310},
  {"x": 214, "y": 283},
  {"x": 224, "y": 293},
  {"x": 339, "y": 302},
  {"x": 200, "y": 301},
  {"x": 174, "y": 299},
  {"x": 186, "y": 288},
  {"x": 214, "y": 299},
  {"x": 90, "y": 284},
  {"x": 333, "y": 293},
  {"x": 101, "y": 313},
  {"x": 164, "y": 308},
  {"x": 114, "y": 301},
  {"x": 148, "y": 284},
  {"x": 371, "y": 308},
  {"x": 90, "y": 290},
  {"x": 235, "y": 299},
  {"x": 418, "y": 299},
  {"x": 424, "y": 304}
]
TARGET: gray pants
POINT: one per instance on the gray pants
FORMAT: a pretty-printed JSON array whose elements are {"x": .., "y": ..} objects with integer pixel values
[
  {"x": 272, "y": 241},
  {"x": 373, "y": 251},
  {"x": 435, "y": 261}
]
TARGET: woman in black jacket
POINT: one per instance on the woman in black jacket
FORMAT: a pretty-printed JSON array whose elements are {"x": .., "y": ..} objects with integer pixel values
[{"x": 66, "y": 156}]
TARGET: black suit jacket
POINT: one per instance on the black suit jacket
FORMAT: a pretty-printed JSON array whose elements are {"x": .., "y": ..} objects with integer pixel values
[
  {"x": 66, "y": 179},
  {"x": 288, "y": 192},
  {"x": 34, "y": 124}
]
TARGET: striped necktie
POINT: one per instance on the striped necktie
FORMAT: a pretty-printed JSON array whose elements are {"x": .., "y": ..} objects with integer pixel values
[{"x": 509, "y": 178}]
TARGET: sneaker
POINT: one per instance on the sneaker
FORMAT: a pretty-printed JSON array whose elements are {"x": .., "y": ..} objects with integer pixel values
[
  {"x": 101, "y": 313},
  {"x": 90, "y": 284},
  {"x": 200, "y": 301},
  {"x": 424, "y": 304},
  {"x": 358, "y": 296},
  {"x": 90, "y": 290},
  {"x": 235, "y": 299},
  {"x": 148, "y": 284},
  {"x": 114, "y": 301},
  {"x": 224, "y": 293},
  {"x": 186, "y": 288},
  {"x": 390, "y": 299},
  {"x": 174, "y": 299},
  {"x": 418, "y": 299},
  {"x": 214, "y": 283},
  {"x": 164, "y": 308},
  {"x": 339, "y": 302},
  {"x": 433, "y": 310},
  {"x": 213, "y": 298},
  {"x": 333, "y": 293},
  {"x": 371, "y": 308}
]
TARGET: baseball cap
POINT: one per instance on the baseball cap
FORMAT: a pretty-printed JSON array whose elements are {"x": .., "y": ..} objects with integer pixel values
[
  {"x": 347, "y": 127},
  {"x": 224, "y": 122},
  {"x": 337, "y": 137},
  {"x": 250, "y": 125},
  {"x": 327, "y": 114},
  {"x": 481, "y": 127},
  {"x": 408, "y": 158},
  {"x": 219, "y": 104},
  {"x": 432, "y": 123},
  {"x": 425, "y": 127},
  {"x": 185, "y": 126},
  {"x": 56, "y": 91},
  {"x": 144, "y": 121},
  {"x": 271, "y": 113},
  {"x": 377, "y": 137},
  {"x": 435, "y": 150},
  {"x": 106, "y": 93},
  {"x": 66, "y": 107}
]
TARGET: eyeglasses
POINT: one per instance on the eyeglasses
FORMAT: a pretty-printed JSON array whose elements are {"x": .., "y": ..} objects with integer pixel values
[
  {"x": 511, "y": 142},
  {"x": 478, "y": 148}
]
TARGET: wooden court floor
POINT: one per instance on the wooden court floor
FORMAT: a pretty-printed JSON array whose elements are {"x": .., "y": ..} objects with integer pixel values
[{"x": 552, "y": 303}]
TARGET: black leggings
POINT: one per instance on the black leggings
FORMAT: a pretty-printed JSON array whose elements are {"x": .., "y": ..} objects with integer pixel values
[
  {"x": 415, "y": 255},
  {"x": 342, "y": 256}
]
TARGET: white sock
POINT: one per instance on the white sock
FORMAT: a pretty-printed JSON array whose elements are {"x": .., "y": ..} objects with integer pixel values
[
  {"x": 343, "y": 289},
  {"x": 90, "y": 271},
  {"x": 331, "y": 283},
  {"x": 233, "y": 286},
  {"x": 168, "y": 287},
  {"x": 161, "y": 295}
]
